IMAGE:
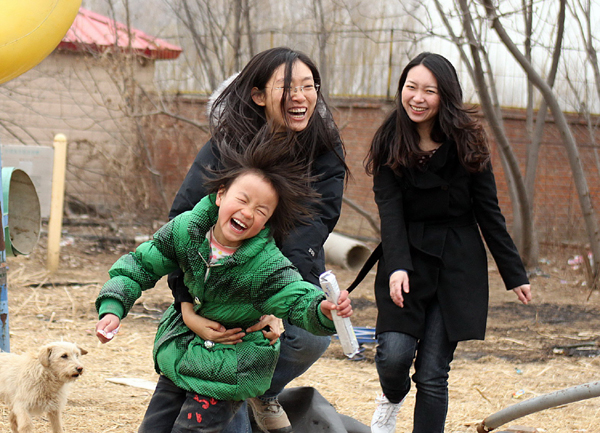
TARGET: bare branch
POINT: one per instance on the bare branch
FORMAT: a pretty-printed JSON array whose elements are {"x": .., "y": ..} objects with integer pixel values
[
  {"x": 579, "y": 178},
  {"x": 370, "y": 219}
]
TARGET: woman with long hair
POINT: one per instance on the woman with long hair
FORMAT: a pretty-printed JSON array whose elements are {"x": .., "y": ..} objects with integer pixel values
[
  {"x": 276, "y": 94},
  {"x": 435, "y": 192}
]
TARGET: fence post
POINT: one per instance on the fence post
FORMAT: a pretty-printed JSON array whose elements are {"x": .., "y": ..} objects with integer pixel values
[{"x": 57, "y": 201}]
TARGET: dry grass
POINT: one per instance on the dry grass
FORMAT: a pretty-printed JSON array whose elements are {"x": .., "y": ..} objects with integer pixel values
[{"x": 485, "y": 376}]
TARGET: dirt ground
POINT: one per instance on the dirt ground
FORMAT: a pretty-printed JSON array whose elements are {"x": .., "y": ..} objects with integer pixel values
[{"x": 530, "y": 350}]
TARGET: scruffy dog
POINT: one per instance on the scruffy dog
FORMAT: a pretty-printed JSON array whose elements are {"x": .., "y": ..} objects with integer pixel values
[{"x": 33, "y": 384}]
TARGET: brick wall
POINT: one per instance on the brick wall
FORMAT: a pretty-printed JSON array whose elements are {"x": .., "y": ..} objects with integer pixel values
[
  {"x": 557, "y": 212},
  {"x": 358, "y": 120},
  {"x": 175, "y": 143},
  {"x": 78, "y": 96}
]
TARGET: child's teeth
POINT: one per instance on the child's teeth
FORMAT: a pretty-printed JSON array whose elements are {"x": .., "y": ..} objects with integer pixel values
[{"x": 241, "y": 224}]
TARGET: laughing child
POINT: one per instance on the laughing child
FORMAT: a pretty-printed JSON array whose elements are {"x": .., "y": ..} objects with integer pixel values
[{"x": 226, "y": 247}]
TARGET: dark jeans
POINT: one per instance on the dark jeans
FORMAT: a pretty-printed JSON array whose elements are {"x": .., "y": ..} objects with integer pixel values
[
  {"x": 174, "y": 410},
  {"x": 434, "y": 353}
]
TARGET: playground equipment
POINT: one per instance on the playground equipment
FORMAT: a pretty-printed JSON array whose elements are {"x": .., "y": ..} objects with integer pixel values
[
  {"x": 536, "y": 404},
  {"x": 21, "y": 205},
  {"x": 29, "y": 31}
]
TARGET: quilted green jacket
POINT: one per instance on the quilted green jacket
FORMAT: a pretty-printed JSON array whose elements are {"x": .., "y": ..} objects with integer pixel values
[{"x": 256, "y": 280}]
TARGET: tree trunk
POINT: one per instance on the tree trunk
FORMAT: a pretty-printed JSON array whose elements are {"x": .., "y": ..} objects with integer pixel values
[
  {"x": 524, "y": 235},
  {"x": 322, "y": 37},
  {"x": 237, "y": 36},
  {"x": 569, "y": 142}
]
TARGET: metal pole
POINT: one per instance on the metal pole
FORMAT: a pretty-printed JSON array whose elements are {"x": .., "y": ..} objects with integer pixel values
[
  {"x": 536, "y": 404},
  {"x": 4, "y": 327}
]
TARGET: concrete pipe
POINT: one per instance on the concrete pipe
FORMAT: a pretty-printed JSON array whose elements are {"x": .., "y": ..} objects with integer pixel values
[
  {"x": 346, "y": 252},
  {"x": 22, "y": 208},
  {"x": 536, "y": 404}
]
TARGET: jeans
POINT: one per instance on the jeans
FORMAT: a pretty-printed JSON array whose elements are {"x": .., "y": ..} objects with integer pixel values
[
  {"x": 434, "y": 352},
  {"x": 299, "y": 350},
  {"x": 240, "y": 422},
  {"x": 174, "y": 410}
]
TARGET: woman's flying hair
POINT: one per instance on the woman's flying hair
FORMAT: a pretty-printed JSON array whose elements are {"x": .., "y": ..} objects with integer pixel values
[{"x": 268, "y": 158}]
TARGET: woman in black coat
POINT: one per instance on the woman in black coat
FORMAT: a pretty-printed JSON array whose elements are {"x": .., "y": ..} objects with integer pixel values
[{"x": 436, "y": 195}]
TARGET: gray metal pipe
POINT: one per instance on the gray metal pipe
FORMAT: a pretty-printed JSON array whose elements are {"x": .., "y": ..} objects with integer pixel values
[{"x": 535, "y": 404}]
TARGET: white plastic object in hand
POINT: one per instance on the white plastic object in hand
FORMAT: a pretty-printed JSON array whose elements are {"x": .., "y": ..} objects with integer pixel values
[
  {"x": 111, "y": 334},
  {"x": 343, "y": 325}
]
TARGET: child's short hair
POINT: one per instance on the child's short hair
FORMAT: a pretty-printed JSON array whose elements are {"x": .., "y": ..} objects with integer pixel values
[{"x": 270, "y": 159}]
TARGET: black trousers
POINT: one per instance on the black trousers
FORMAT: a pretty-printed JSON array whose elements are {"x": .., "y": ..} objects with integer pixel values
[{"x": 174, "y": 410}]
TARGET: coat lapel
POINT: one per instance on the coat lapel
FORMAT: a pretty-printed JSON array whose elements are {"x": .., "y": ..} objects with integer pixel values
[{"x": 431, "y": 177}]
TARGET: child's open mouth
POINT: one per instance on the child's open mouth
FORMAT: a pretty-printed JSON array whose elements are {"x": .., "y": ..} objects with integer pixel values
[{"x": 238, "y": 226}]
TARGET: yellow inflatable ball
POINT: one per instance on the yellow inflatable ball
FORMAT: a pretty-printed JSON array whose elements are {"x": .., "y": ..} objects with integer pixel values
[{"x": 30, "y": 30}]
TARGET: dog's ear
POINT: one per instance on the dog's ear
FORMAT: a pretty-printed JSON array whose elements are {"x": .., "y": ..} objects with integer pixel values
[
  {"x": 44, "y": 355},
  {"x": 82, "y": 350}
]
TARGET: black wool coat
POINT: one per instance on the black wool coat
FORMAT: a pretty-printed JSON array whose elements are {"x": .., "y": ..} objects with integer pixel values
[{"x": 432, "y": 222}]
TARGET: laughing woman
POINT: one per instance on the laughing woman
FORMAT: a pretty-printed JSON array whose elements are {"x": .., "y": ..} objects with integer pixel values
[
  {"x": 435, "y": 192},
  {"x": 277, "y": 92}
]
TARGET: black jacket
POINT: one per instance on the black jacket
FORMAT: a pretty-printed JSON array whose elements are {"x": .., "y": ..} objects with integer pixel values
[
  {"x": 304, "y": 245},
  {"x": 430, "y": 226}
]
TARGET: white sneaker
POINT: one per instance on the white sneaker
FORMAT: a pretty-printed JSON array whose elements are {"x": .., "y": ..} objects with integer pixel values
[{"x": 384, "y": 418}]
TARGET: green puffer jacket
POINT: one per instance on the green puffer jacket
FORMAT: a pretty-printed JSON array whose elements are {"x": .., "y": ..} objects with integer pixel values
[{"x": 256, "y": 280}]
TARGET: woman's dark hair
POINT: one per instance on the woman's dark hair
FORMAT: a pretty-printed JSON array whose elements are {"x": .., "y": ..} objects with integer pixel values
[
  {"x": 236, "y": 119},
  {"x": 288, "y": 178},
  {"x": 396, "y": 142}
]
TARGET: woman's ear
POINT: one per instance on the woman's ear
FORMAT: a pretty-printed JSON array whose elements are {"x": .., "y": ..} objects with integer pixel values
[{"x": 258, "y": 96}]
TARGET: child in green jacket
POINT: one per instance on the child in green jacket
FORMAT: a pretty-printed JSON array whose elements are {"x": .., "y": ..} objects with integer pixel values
[{"x": 236, "y": 274}]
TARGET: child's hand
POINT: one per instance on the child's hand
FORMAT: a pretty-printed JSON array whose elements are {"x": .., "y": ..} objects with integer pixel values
[
  {"x": 344, "y": 306},
  {"x": 270, "y": 326},
  {"x": 209, "y": 330},
  {"x": 107, "y": 327}
]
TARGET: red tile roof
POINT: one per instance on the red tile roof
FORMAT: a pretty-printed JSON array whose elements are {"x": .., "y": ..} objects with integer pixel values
[{"x": 96, "y": 33}]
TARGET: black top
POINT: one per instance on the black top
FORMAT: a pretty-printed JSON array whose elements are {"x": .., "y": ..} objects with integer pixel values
[{"x": 431, "y": 218}]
